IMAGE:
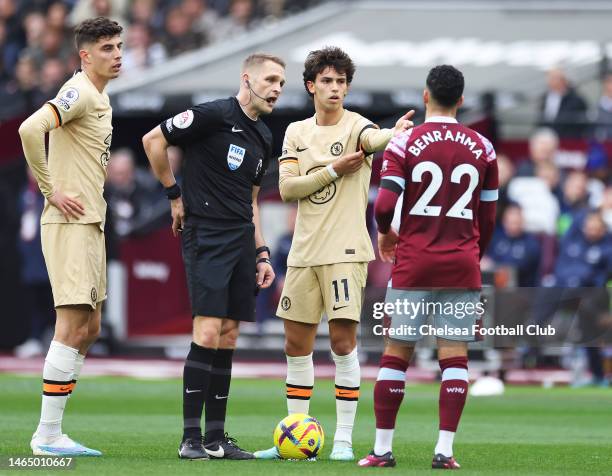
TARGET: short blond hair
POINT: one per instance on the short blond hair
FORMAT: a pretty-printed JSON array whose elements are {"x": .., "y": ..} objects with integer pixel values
[{"x": 256, "y": 59}]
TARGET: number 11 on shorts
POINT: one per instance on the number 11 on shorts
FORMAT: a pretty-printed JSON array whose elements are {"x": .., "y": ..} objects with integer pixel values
[{"x": 336, "y": 289}]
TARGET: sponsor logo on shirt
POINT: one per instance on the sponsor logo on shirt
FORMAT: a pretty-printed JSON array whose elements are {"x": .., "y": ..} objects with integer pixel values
[
  {"x": 183, "y": 120},
  {"x": 235, "y": 156}
]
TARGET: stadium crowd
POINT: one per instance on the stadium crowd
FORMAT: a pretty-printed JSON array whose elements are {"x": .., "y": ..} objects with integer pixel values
[
  {"x": 37, "y": 54},
  {"x": 554, "y": 223}
]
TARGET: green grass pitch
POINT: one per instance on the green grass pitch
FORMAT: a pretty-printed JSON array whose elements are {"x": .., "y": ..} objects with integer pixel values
[{"x": 137, "y": 425}]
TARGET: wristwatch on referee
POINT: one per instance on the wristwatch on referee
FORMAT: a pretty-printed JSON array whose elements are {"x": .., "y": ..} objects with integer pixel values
[{"x": 263, "y": 249}]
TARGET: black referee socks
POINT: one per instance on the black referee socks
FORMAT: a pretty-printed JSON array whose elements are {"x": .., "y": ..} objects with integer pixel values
[
  {"x": 196, "y": 379},
  {"x": 218, "y": 393}
]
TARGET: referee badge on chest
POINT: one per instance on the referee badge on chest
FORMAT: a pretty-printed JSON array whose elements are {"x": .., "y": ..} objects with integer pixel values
[{"x": 235, "y": 156}]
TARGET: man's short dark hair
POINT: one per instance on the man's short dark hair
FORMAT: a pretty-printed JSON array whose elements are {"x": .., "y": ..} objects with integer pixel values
[
  {"x": 91, "y": 30},
  {"x": 329, "y": 57},
  {"x": 445, "y": 83}
]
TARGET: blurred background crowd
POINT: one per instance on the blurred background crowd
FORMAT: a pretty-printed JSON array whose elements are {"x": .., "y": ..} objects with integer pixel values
[
  {"x": 37, "y": 44},
  {"x": 554, "y": 226}
]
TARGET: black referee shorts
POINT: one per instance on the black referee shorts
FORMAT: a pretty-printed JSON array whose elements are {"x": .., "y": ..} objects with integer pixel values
[{"x": 219, "y": 262}]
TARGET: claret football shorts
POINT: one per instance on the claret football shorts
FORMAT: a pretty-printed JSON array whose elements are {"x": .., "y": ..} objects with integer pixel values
[
  {"x": 336, "y": 289},
  {"x": 76, "y": 262}
]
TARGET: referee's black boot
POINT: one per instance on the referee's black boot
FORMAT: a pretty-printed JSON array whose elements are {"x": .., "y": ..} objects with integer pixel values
[
  {"x": 226, "y": 448},
  {"x": 192, "y": 448}
]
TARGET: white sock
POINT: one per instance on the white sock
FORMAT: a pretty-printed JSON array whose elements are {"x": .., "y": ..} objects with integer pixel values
[
  {"x": 445, "y": 443},
  {"x": 383, "y": 442},
  {"x": 300, "y": 381},
  {"x": 78, "y": 366},
  {"x": 57, "y": 383},
  {"x": 348, "y": 377}
]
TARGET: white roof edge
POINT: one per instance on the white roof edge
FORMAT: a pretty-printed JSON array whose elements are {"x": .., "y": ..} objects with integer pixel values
[
  {"x": 543, "y": 5},
  {"x": 214, "y": 52}
]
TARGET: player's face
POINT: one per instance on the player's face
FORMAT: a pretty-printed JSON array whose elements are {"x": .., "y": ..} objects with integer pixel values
[
  {"x": 267, "y": 82},
  {"x": 329, "y": 89},
  {"x": 105, "y": 56}
]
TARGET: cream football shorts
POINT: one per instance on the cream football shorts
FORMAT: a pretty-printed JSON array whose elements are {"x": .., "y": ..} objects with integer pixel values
[
  {"x": 336, "y": 289},
  {"x": 76, "y": 262}
]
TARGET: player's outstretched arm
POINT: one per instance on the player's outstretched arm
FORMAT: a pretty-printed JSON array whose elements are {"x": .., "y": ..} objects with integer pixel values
[
  {"x": 32, "y": 132},
  {"x": 375, "y": 140},
  {"x": 156, "y": 148},
  {"x": 293, "y": 186}
]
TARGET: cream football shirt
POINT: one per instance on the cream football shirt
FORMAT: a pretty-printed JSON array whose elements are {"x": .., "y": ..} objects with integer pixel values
[
  {"x": 331, "y": 222},
  {"x": 79, "y": 148}
]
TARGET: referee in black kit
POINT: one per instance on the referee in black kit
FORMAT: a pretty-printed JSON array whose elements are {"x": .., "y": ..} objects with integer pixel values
[{"x": 227, "y": 150}]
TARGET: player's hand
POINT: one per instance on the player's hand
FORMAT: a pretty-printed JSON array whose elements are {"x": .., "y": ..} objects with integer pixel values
[
  {"x": 70, "y": 207},
  {"x": 265, "y": 275},
  {"x": 347, "y": 164},
  {"x": 404, "y": 123},
  {"x": 178, "y": 215},
  {"x": 387, "y": 244}
]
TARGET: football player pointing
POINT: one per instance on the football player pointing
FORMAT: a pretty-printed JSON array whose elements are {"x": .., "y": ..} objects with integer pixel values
[{"x": 325, "y": 166}]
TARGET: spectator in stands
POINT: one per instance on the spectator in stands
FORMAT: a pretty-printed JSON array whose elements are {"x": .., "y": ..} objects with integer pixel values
[
  {"x": 17, "y": 97},
  {"x": 574, "y": 200},
  {"x": 543, "y": 146},
  {"x": 145, "y": 12},
  {"x": 128, "y": 196},
  {"x": 57, "y": 16},
  {"x": 53, "y": 44},
  {"x": 606, "y": 207},
  {"x": 551, "y": 175},
  {"x": 240, "y": 20},
  {"x": 512, "y": 246},
  {"x": 114, "y": 9},
  {"x": 603, "y": 129},
  {"x": 34, "y": 25},
  {"x": 585, "y": 255},
  {"x": 139, "y": 51},
  {"x": 53, "y": 75},
  {"x": 562, "y": 108},
  {"x": 39, "y": 303},
  {"x": 204, "y": 19},
  {"x": 178, "y": 36},
  {"x": 11, "y": 37},
  {"x": 9, "y": 52}
]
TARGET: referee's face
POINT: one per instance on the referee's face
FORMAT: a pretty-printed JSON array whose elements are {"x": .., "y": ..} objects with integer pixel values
[{"x": 267, "y": 83}]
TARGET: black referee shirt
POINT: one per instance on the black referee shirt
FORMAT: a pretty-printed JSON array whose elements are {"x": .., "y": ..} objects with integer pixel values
[{"x": 225, "y": 154}]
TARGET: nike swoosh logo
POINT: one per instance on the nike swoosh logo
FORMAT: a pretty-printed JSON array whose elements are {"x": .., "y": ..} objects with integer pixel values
[
  {"x": 236, "y": 130},
  {"x": 221, "y": 398},
  {"x": 100, "y": 116},
  {"x": 218, "y": 453},
  {"x": 337, "y": 308},
  {"x": 342, "y": 394},
  {"x": 297, "y": 149},
  {"x": 64, "y": 389},
  {"x": 191, "y": 391}
]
